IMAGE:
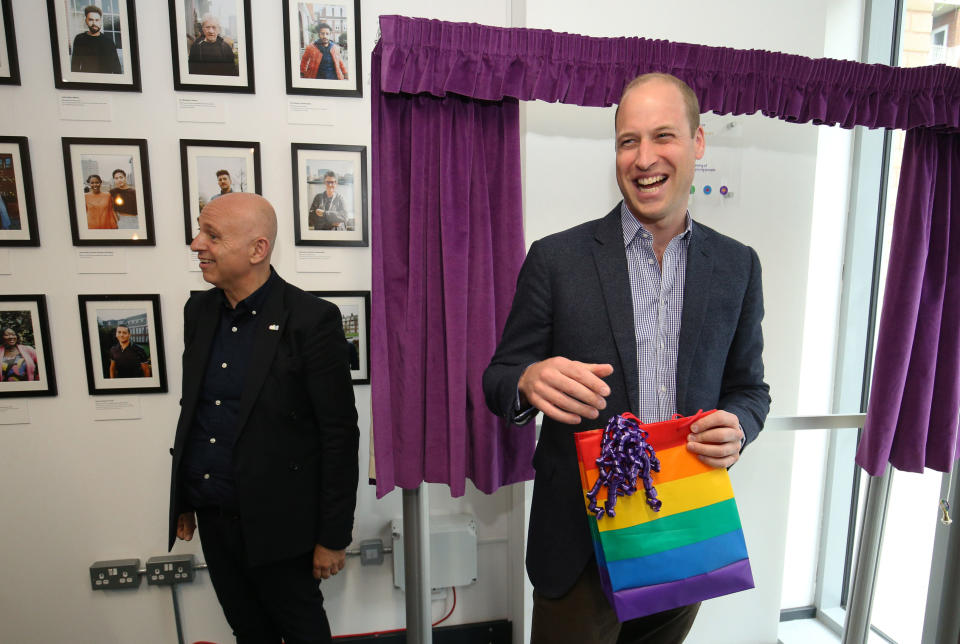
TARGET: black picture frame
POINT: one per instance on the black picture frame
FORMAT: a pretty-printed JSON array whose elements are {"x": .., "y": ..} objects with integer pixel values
[
  {"x": 28, "y": 313},
  {"x": 197, "y": 190},
  {"x": 100, "y": 317},
  {"x": 343, "y": 16},
  {"x": 9, "y": 63},
  {"x": 80, "y": 156},
  {"x": 204, "y": 77},
  {"x": 66, "y": 27},
  {"x": 355, "y": 310},
  {"x": 19, "y": 206},
  {"x": 310, "y": 162}
]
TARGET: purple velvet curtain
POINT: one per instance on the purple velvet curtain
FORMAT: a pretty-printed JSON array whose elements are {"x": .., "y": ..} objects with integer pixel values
[
  {"x": 915, "y": 397},
  {"x": 448, "y": 243},
  {"x": 447, "y": 227}
]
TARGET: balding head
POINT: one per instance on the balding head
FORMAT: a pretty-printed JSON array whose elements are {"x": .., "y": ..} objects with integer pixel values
[{"x": 235, "y": 242}]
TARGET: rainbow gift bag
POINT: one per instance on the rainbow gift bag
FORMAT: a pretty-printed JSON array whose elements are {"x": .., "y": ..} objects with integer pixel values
[{"x": 650, "y": 560}]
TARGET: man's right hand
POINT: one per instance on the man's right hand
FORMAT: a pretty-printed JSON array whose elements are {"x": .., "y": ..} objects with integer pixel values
[
  {"x": 565, "y": 390},
  {"x": 186, "y": 524}
]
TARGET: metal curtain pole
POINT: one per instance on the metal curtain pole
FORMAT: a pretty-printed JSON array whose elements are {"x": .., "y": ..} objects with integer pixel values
[
  {"x": 857, "y": 626},
  {"x": 416, "y": 564}
]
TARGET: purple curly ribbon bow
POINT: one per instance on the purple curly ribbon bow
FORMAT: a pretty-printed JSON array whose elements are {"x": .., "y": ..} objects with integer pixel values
[{"x": 625, "y": 456}]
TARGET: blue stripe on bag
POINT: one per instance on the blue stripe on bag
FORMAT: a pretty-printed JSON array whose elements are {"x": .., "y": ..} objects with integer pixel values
[{"x": 678, "y": 563}]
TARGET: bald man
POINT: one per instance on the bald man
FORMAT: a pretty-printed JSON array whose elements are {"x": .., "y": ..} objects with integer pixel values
[{"x": 265, "y": 455}]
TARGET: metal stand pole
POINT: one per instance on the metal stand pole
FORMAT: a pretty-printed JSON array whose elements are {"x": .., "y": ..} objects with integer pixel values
[
  {"x": 416, "y": 564},
  {"x": 857, "y": 626},
  {"x": 176, "y": 613}
]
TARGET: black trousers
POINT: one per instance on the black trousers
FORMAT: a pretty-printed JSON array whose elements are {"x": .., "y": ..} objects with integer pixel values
[
  {"x": 263, "y": 604},
  {"x": 584, "y": 616}
]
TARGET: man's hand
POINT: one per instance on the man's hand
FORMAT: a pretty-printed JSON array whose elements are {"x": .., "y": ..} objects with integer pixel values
[
  {"x": 327, "y": 562},
  {"x": 186, "y": 524},
  {"x": 716, "y": 439},
  {"x": 565, "y": 390}
]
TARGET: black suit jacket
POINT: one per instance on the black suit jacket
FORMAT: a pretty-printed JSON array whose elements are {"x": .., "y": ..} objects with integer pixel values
[
  {"x": 573, "y": 300},
  {"x": 295, "y": 460}
]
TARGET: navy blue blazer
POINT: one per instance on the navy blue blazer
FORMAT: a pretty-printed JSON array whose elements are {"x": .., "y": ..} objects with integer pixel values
[
  {"x": 296, "y": 458},
  {"x": 573, "y": 300}
]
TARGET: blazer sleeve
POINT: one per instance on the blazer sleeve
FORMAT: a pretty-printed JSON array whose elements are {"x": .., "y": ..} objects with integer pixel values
[
  {"x": 743, "y": 391},
  {"x": 327, "y": 380},
  {"x": 527, "y": 334}
]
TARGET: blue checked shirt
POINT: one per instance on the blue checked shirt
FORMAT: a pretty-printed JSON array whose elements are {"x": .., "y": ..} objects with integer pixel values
[{"x": 657, "y": 293}]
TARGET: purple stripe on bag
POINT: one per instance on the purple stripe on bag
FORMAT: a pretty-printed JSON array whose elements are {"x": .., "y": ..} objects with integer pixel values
[{"x": 640, "y": 602}]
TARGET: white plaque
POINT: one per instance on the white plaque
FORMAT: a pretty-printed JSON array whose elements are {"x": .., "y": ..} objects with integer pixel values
[
  {"x": 5, "y": 263},
  {"x": 124, "y": 408},
  {"x": 14, "y": 413},
  {"x": 193, "y": 262},
  {"x": 305, "y": 112},
  {"x": 320, "y": 260},
  {"x": 81, "y": 107},
  {"x": 101, "y": 260},
  {"x": 201, "y": 110}
]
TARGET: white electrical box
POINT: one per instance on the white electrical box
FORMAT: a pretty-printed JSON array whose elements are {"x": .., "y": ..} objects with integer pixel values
[{"x": 453, "y": 551}]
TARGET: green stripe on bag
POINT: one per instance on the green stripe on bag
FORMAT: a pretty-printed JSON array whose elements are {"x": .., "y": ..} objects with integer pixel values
[{"x": 670, "y": 532}]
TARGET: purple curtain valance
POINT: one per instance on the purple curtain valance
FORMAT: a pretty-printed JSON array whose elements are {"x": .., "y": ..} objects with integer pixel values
[{"x": 421, "y": 56}]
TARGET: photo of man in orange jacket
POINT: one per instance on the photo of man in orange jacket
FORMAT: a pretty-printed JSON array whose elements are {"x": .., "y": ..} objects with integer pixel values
[{"x": 321, "y": 58}]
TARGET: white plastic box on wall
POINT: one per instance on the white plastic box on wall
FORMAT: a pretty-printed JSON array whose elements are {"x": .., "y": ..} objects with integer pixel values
[{"x": 453, "y": 551}]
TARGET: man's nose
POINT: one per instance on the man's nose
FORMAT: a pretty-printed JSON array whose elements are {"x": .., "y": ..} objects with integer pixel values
[{"x": 646, "y": 155}]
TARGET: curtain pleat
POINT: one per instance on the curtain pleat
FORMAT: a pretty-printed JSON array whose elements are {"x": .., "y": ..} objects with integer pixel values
[
  {"x": 421, "y": 56},
  {"x": 447, "y": 237}
]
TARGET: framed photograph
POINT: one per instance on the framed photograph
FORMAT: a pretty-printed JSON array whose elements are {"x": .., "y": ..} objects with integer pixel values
[
  {"x": 123, "y": 344},
  {"x": 355, "y": 309},
  {"x": 26, "y": 359},
  {"x": 321, "y": 43},
  {"x": 9, "y": 65},
  {"x": 18, "y": 210},
  {"x": 213, "y": 168},
  {"x": 212, "y": 45},
  {"x": 94, "y": 44},
  {"x": 108, "y": 191},
  {"x": 329, "y": 194}
]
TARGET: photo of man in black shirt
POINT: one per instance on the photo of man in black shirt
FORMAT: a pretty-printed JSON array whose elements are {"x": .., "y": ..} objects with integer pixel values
[{"x": 92, "y": 51}]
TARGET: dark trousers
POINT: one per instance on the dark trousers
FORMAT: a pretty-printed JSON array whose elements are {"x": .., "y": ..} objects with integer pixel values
[
  {"x": 262, "y": 604},
  {"x": 585, "y": 616}
]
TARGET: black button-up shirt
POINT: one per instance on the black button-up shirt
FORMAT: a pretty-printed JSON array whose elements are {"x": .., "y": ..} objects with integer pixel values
[{"x": 208, "y": 462}]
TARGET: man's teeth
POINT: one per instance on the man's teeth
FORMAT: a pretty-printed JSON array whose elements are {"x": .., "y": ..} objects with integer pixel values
[{"x": 646, "y": 184}]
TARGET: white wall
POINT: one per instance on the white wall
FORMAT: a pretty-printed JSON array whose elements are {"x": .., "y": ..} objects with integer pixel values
[{"x": 77, "y": 490}]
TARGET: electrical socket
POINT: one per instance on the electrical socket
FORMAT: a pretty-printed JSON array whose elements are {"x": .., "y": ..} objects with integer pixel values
[
  {"x": 371, "y": 552},
  {"x": 119, "y": 574},
  {"x": 167, "y": 570}
]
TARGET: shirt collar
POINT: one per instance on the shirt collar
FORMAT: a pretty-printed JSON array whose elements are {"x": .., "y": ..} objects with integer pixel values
[
  {"x": 631, "y": 226},
  {"x": 256, "y": 299}
]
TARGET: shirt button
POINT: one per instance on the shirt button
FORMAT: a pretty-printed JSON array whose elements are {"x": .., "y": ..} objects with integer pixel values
[
  {"x": 217, "y": 403},
  {"x": 206, "y": 476},
  {"x": 253, "y": 312},
  {"x": 223, "y": 365},
  {"x": 663, "y": 389},
  {"x": 649, "y": 260},
  {"x": 212, "y": 440},
  {"x": 234, "y": 329}
]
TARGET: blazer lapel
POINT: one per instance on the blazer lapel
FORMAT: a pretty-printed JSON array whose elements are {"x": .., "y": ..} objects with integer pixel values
[
  {"x": 269, "y": 328},
  {"x": 611, "y": 261},
  {"x": 696, "y": 290}
]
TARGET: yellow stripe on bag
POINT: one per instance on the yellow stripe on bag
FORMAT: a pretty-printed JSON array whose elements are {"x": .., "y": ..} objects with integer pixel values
[
  {"x": 675, "y": 463},
  {"x": 678, "y": 496}
]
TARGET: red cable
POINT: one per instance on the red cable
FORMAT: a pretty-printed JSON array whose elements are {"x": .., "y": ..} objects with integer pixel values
[{"x": 400, "y": 630}]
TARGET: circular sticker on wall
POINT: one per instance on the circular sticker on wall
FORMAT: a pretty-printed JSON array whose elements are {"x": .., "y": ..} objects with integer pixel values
[
  {"x": 723, "y": 190},
  {"x": 693, "y": 189},
  {"x": 707, "y": 190}
]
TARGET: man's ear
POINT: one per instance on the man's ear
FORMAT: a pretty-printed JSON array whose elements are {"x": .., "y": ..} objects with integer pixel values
[{"x": 259, "y": 250}]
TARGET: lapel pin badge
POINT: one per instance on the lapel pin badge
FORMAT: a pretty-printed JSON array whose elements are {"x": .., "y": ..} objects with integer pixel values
[{"x": 274, "y": 327}]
